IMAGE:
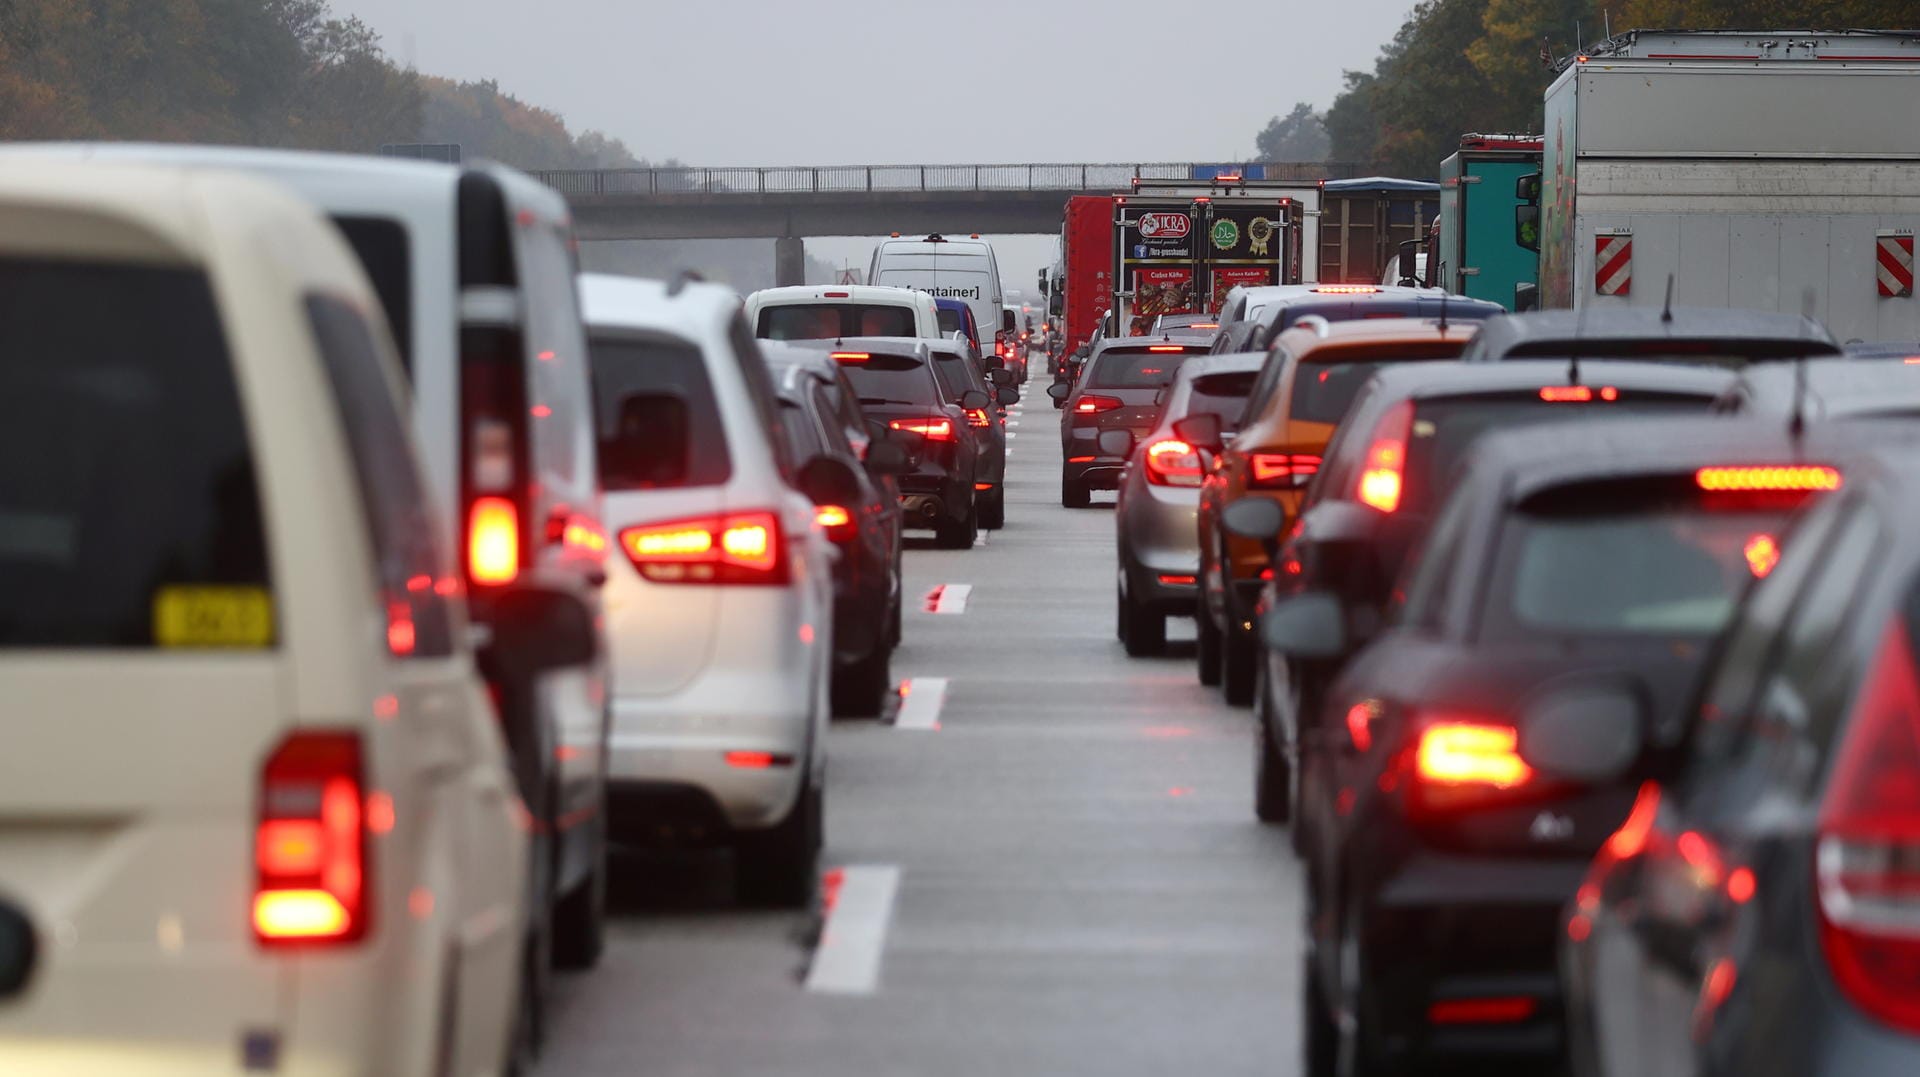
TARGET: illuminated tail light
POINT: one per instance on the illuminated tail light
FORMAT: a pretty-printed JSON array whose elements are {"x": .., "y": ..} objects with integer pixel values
[
  {"x": 1867, "y": 859},
  {"x": 493, "y": 408},
  {"x": 1173, "y": 463},
  {"x": 931, "y": 429},
  {"x": 1803, "y": 477},
  {"x": 309, "y": 845},
  {"x": 1762, "y": 552},
  {"x": 1281, "y": 471},
  {"x": 836, "y": 521},
  {"x": 1347, "y": 289},
  {"x": 851, "y": 357},
  {"x": 1166, "y": 348},
  {"x": 977, "y": 417},
  {"x": 1503, "y": 1010},
  {"x": 1459, "y": 763},
  {"x": 1578, "y": 394},
  {"x": 1384, "y": 476},
  {"x": 493, "y": 540},
  {"x": 1094, "y": 404},
  {"x": 742, "y": 547}
]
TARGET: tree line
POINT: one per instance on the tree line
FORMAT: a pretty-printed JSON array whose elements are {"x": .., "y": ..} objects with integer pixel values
[
  {"x": 1459, "y": 66},
  {"x": 286, "y": 73}
]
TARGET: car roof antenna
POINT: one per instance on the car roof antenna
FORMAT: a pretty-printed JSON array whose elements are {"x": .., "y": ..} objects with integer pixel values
[
  {"x": 1443, "y": 312},
  {"x": 1573, "y": 350},
  {"x": 1797, "y": 419},
  {"x": 1666, "y": 312}
]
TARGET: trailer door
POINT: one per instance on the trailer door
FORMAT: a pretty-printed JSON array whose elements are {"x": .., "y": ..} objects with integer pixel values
[{"x": 1491, "y": 263}]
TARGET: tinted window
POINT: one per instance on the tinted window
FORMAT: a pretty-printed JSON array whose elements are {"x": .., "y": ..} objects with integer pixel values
[
  {"x": 827, "y": 321},
  {"x": 386, "y": 255},
  {"x": 803, "y": 437},
  {"x": 657, "y": 420},
  {"x": 399, "y": 521},
  {"x": 766, "y": 400},
  {"x": 1118, "y": 369},
  {"x": 1222, "y": 394},
  {"x": 1322, "y": 392},
  {"x": 951, "y": 322},
  {"x": 892, "y": 379},
  {"x": 126, "y": 480}
]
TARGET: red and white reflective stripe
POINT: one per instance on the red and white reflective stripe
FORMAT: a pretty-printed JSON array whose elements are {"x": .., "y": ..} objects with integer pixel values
[
  {"x": 1895, "y": 257},
  {"x": 1613, "y": 264}
]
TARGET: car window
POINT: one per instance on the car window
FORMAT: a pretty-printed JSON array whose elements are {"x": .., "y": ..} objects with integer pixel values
[
  {"x": 400, "y": 521},
  {"x": 1224, "y": 395},
  {"x": 1116, "y": 368},
  {"x": 1322, "y": 392},
  {"x": 1432, "y": 570},
  {"x": 387, "y": 256},
  {"x": 759, "y": 381},
  {"x": 1276, "y": 363},
  {"x": 828, "y": 321},
  {"x": 655, "y": 414},
  {"x": 892, "y": 379},
  {"x": 558, "y": 360},
  {"x": 835, "y": 436},
  {"x": 803, "y": 436},
  {"x": 128, "y": 497}
]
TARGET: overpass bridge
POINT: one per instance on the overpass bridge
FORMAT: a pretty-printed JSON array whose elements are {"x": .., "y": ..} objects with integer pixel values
[{"x": 788, "y": 205}]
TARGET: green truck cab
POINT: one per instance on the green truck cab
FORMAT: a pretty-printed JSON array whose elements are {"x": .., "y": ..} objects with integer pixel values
[{"x": 1477, "y": 253}]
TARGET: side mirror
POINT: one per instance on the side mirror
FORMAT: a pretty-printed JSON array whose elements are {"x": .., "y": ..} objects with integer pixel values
[
  {"x": 1527, "y": 188},
  {"x": 1526, "y": 226},
  {"x": 1007, "y": 396},
  {"x": 1057, "y": 305},
  {"x": 1409, "y": 262},
  {"x": 1202, "y": 431},
  {"x": 1526, "y": 297},
  {"x": 999, "y": 376},
  {"x": 538, "y": 629},
  {"x": 1006, "y": 321},
  {"x": 974, "y": 400},
  {"x": 1257, "y": 518},
  {"x": 1309, "y": 625},
  {"x": 1115, "y": 442},
  {"x": 1588, "y": 731},
  {"x": 888, "y": 458},
  {"x": 827, "y": 481},
  {"x": 1060, "y": 391},
  {"x": 19, "y": 951}
]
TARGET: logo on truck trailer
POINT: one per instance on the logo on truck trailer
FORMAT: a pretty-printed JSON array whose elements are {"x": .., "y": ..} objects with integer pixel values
[{"x": 1164, "y": 225}]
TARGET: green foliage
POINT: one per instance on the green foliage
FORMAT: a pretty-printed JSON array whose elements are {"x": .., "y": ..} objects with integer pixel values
[{"x": 1300, "y": 135}]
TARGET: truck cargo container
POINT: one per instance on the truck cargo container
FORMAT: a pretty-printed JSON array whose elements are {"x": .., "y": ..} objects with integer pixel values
[
  {"x": 1362, "y": 223},
  {"x": 1476, "y": 253}
]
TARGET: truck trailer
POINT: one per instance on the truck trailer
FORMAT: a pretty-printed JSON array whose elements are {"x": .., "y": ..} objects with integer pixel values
[
  {"x": 1362, "y": 223},
  {"x": 1769, "y": 170},
  {"x": 1476, "y": 253}
]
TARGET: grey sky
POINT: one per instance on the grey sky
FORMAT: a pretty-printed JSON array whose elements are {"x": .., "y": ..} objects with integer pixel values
[{"x": 778, "y": 82}]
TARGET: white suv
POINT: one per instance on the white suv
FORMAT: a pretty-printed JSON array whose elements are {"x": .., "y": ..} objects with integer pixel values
[
  {"x": 252, "y": 792},
  {"x": 720, "y": 607},
  {"x": 824, "y": 312}
]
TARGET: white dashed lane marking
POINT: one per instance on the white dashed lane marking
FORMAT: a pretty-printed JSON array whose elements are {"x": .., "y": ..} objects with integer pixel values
[
  {"x": 949, "y": 598},
  {"x": 859, "y": 902},
  {"x": 921, "y": 699}
]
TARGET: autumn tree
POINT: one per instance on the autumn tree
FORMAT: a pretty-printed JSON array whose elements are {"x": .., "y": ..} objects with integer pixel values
[{"x": 1298, "y": 136}]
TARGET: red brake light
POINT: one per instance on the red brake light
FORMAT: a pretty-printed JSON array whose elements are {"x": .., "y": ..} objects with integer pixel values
[
  {"x": 1462, "y": 762},
  {"x": 1281, "y": 471},
  {"x": 1762, "y": 553},
  {"x": 931, "y": 429},
  {"x": 836, "y": 521},
  {"x": 1093, "y": 404},
  {"x": 851, "y": 357},
  {"x": 742, "y": 547},
  {"x": 1382, "y": 478},
  {"x": 1173, "y": 463},
  {"x": 1769, "y": 477},
  {"x": 1505, "y": 1010},
  {"x": 1578, "y": 394},
  {"x": 1347, "y": 289},
  {"x": 493, "y": 540},
  {"x": 978, "y": 417},
  {"x": 1165, "y": 348},
  {"x": 1868, "y": 855},
  {"x": 309, "y": 845},
  {"x": 1628, "y": 841},
  {"x": 836, "y": 295}
]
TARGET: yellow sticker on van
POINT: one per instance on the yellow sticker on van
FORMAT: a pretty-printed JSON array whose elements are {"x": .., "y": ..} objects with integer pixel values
[{"x": 213, "y": 616}]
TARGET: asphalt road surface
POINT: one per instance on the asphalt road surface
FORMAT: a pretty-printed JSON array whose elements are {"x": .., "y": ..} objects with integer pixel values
[{"x": 1047, "y": 865}]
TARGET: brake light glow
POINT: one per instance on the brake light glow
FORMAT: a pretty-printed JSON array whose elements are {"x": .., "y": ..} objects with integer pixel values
[
  {"x": 1762, "y": 554},
  {"x": 1174, "y": 580},
  {"x": 1577, "y": 394},
  {"x": 1631, "y": 839},
  {"x": 1173, "y": 463},
  {"x": 978, "y": 417},
  {"x": 931, "y": 429},
  {"x": 1347, "y": 289},
  {"x": 1809, "y": 477},
  {"x": 1481, "y": 1011},
  {"x": 1204, "y": 325},
  {"x": 757, "y": 760},
  {"x": 851, "y": 357},
  {"x": 1471, "y": 753},
  {"x": 1382, "y": 478},
  {"x": 1281, "y": 470},
  {"x": 493, "y": 540},
  {"x": 310, "y": 842},
  {"x": 831, "y": 516},
  {"x": 1165, "y": 348},
  {"x": 740, "y": 547},
  {"x": 1093, "y": 404},
  {"x": 1867, "y": 858}
]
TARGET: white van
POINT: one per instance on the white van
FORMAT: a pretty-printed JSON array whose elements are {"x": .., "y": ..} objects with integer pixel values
[
  {"x": 963, "y": 269},
  {"x": 817, "y": 312}
]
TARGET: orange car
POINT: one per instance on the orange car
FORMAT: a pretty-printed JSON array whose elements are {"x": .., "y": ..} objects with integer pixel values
[{"x": 1309, "y": 379}]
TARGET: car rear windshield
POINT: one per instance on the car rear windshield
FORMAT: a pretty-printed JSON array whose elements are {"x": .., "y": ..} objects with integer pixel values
[
  {"x": 129, "y": 509},
  {"x": 1324, "y": 391},
  {"x": 828, "y": 321},
  {"x": 951, "y": 322},
  {"x": 892, "y": 379},
  {"x": 1130, "y": 368},
  {"x": 1631, "y": 559},
  {"x": 1221, "y": 394},
  {"x": 381, "y": 243},
  {"x": 1444, "y": 428},
  {"x": 654, "y": 408}
]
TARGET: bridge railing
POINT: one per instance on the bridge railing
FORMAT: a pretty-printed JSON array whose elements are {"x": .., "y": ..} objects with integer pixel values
[{"x": 617, "y": 182}]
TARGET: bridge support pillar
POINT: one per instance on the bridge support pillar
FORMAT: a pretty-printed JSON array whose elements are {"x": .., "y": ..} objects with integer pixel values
[{"x": 789, "y": 261}]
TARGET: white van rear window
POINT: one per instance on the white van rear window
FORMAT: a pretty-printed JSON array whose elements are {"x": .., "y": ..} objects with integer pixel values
[{"x": 830, "y": 321}]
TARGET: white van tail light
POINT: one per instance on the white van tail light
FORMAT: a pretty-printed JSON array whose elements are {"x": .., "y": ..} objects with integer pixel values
[{"x": 309, "y": 846}]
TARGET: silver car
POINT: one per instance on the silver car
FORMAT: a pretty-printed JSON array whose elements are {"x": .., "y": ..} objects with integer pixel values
[
  {"x": 720, "y": 603},
  {"x": 1159, "y": 541}
]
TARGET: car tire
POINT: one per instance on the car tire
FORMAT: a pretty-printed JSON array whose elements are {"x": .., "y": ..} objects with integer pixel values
[
  {"x": 1143, "y": 630},
  {"x": 1319, "y": 1036},
  {"x": 1356, "y": 1048},
  {"x": 860, "y": 690},
  {"x": 958, "y": 534},
  {"x": 1207, "y": 645},
  {"x": 1272, "y": 779},
  {"x": 894, "y": 634},
  {"x": 1074, "y": 495},
  {"x": 777, "y": 867},
  {"x": 580, "y": 918},
  {"x": 1237, "y": 657},
  {"x": 992, "y": 507},
  {"x": 1120, "y": 612}
]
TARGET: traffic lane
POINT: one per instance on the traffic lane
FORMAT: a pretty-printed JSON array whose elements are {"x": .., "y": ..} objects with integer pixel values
[{"x": 1082, "y": 887}]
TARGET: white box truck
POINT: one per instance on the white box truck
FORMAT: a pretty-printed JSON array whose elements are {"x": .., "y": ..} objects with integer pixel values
[{"x": 1753, "y": 169}]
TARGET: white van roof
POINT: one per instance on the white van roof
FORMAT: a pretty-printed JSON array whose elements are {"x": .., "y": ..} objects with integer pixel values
[
  {"x": 852, "y": 293},
  {"x": 687, "y": 308}
]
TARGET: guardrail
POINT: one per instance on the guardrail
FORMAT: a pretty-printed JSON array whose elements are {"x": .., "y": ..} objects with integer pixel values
[{"x": 617, "y": 182}]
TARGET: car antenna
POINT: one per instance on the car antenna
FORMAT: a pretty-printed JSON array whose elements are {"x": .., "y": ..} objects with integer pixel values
[
  {"x": 1666, "y": 312},
  {"x": 1443, "y": 312},
  {"x": 1797, "y": 419},
  {"x": 1573, "y": 352}
]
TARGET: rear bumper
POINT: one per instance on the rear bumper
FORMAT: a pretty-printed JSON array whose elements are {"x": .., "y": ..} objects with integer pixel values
[
  {"x": 928, "y": 497},
  {"x": 1158, "y": 540}
]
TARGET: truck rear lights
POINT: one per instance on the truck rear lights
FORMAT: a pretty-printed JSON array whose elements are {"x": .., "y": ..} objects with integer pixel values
[
  {"x": 1093, "y": 404},
  {"x": 1347, "y": 289},
  {"x": 1867, "y": 857},
  {"x": 1173, "y": 463},
  {"x": 931, "y": 429},
  {"x": 309, "y": 845},
  {"x": 1499, "y": 1010},
  {"x": 1801, "y": 477},
  {"x": 1383, "y": 476},
  {"x": 1578, "y": 394},
  {"x": 742, "y": 547},
  {"x": 493, "y": 540},
  {"x": 1281, "y": 471}
]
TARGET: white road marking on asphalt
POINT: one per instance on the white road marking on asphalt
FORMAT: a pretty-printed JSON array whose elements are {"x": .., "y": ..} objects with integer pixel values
[
  {"x": 920, "y": 701},
  {"x": 981, "y": 538},
  {"x": 1011, "y": 434},
  {"x": 854, "y": 938},
  {"x": 949, "y": 598}
]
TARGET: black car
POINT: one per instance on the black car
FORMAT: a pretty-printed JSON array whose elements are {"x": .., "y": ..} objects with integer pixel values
[
  {"x": 1757, "y": 912},
  {"x": 1714, "y": 336},
  {"x": 895, "y": 379},
  {"x": 1458, "y": 772},
  {"x": 1361, "y": 516},
  {"x": 958, "y": 375},
  {"x": 822, "y": 420},
  {"x": 1120, "y": 390}
]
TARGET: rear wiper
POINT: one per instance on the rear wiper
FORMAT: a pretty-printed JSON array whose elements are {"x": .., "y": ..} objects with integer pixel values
[{"x": 885, "y": 400}]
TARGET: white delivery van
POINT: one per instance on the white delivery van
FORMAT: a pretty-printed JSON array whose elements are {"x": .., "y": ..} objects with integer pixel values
[
  {"x": 963, "y": 269},
  {"x": 828, "y": 312}
]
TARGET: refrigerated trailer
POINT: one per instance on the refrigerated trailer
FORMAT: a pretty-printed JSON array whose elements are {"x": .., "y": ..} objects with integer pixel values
[{"x": 1776, "y": 170}]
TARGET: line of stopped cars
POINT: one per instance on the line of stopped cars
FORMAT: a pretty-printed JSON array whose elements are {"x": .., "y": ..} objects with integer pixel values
[
  {"x": 366, "y": 572},
  {"x": 1580, "y": 649}
]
